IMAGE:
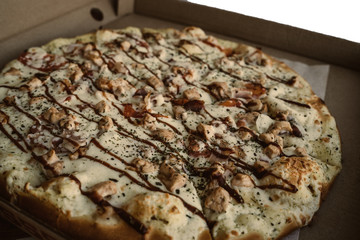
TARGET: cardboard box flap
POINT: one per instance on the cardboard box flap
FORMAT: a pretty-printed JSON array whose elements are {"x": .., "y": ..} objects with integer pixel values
[
  {"x": 18, "y": 16},
  {"x": 284, "y": 37},
  {"x": 81, "y": 20}
]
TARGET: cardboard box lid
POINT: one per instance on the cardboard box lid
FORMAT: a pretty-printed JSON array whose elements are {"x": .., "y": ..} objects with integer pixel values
[
  {"x": 36, "y": 14},
  {"x": 287, "y": 38},
  {"x": 35, "y": 22},
  {"x": 18, "y": 16}
]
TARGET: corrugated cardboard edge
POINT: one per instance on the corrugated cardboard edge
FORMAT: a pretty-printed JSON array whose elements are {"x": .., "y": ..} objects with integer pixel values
[
  {"x": 291, "y": 39},
  {"x": 27, "y": 223}
]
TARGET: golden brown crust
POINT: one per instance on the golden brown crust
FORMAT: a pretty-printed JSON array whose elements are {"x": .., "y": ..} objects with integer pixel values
[
  {"x": 325, "y": 188},
  {"x": 154, "y": 234},
  {"x": 205, "y": 235},
  {"x": 79, "y": 227},
  {"x": 288, "y": 228},
  {"x": 3, "y": 191},
  {"x": 248, "y": 236}
]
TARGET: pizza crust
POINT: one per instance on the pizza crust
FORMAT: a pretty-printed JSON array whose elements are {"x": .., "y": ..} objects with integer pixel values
[{"x": 78, "y": 227}]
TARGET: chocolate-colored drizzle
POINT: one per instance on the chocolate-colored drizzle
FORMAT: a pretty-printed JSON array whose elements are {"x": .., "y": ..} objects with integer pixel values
[
  {"x": 11, "y": 138},
  {"x": 295, "y": 130},
  {"x": 287, "y": 82},
  {"x": 48, "y": 60},
  {"x": 295, "y": 103},
  {"x": 233, "y": 193},
  {"x": 27, "y": 114},
  {"x": 116, "y": 169},
  {"x": 66, "y": 109},
  {"x": 127, "y": 217},
  {"x": 171, "y": 126},
  {"x": 148, "y": 185},
  {"x": 167, "y": 145},
  {"x": 132, "y": 58},
  {"x": 111, "y": 62},
  {"x": 8, "y": 87}
]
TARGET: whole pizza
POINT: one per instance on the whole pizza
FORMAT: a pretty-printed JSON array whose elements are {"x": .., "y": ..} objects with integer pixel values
[{"x": 163, "y": 134}]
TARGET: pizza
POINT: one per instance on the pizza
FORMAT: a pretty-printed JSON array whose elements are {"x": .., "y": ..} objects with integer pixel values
[{"x": 163, "y": 134}]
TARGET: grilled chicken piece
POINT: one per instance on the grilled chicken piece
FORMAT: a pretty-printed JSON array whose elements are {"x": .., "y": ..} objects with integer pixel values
[
  {"x": 102, "y": 190},
  {"x": 164, "y": 134},
  {"x": 218, "y": 200},
  {"x": 155, "y": 82},
  {"x": 242, "y": 180},
  {"x": 192, "y": 94},
  {"x": 53, "y": 115},
  {"x": 206, "y": 130},
  {"x": 170, "y": 177},
  {"x": 272, "y": 151},
  {"x": 144, "y": 166},
  {"x": 105, "y": 123},
  {"x": 102, "y": 107},
  {"x": 219, "y": 89}
]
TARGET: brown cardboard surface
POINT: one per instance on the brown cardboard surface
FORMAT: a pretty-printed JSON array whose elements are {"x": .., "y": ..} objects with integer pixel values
[
  {"x": 339, "y": 216},
  {"x": 125, "y": 7},
  {"x": 18, "y": 15},
  {"x": 75, "y": 22},
  {"x": 38, "y": 229},
  {"x": 287, "y": 38}
]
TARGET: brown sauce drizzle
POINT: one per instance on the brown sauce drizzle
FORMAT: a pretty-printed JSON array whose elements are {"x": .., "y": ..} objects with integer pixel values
[
  {"x": 11, "y": 138},
  {"x": 19, "y": 136},
  {"x": 123, "y": 129},
  {"x": 66, "y": 109},
  {"x": 27, "y": 114},
  {"x": 233, "y": 193},
  {"x": 212, "y": 44},
  {"x": 132, "y": 58},
  {"x": 128, "y": 218},
  {"x": 111, "y": 62},
  {"x": 9, "y": 87},
  {"x": 295, "y": 103},
  {"x": 149, "y": 186},
  {"x": 167, "y": 145},
  {"x": 295, "y": 130},
  {"x": 48, "y": 60},
  {"x": 256, "y": 172},
  {"x": 115, "y": 169},
  {"x": 292, "y": 188},
  {"x": 287, "y": 82},
  {"x": 171, "y": 126}
]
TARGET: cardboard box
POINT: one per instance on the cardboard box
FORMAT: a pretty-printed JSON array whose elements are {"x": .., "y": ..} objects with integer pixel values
[{"x": 35, "y": 22}]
